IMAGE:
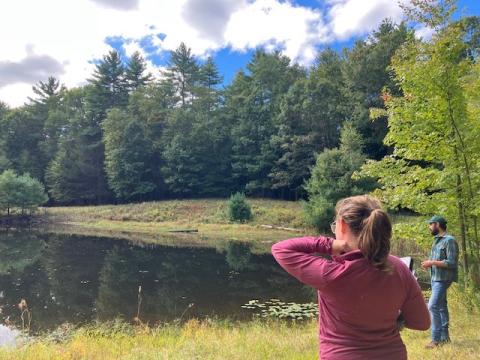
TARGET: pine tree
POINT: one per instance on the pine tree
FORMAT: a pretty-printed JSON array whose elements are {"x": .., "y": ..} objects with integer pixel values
[
  {"x": 310, "y": 116},
  {"x": 366, "y": 72},
  {"x": 128, "y": 156},
  {"x": 135, "y": 73},
  {"x": 183, "y": 73},
  {"x": 331, "y": 178},
  {"x": 48, "y": 91},
  {"x": 76, "y": 173},
  {"x": 109, "y": 88},
  {"x": 252, "y": 104}
]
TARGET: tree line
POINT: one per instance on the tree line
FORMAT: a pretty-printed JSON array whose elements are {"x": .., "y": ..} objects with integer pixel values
[{"x": 129, "y": 136}]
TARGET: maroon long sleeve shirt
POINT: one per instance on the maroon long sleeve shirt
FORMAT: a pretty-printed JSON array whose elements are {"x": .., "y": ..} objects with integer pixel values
[{"x": 358, "y": 304}]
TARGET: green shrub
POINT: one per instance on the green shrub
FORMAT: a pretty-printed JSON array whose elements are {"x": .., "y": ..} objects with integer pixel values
[
  {"x": 318, "y": 213},
  {"x": 20, "y": 192},
  {"x": 238, "y": 208}
]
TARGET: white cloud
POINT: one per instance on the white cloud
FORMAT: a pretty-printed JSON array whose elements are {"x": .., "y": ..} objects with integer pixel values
[
  {"x": 424, "y": 32},
  {"x": 271, "y": 23},
  {"x": 73, "y": 33},
  {"x": 354, "y": 17},
  {"x": 118, "y": 4},
  {"x": 15, "y": 94}
]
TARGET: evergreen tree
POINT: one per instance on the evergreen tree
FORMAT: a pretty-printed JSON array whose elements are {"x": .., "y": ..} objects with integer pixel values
[
  {"x": 76, "y": 173},
  {"x": 47, "y": 108},
  {"x": 252, "y": 103},
  {"x": 183, "y": 73},
  {"x": 208, "y": 94},
  {"x": 238, "y": 208},
  {"x": 128, "y": 156},
  {"x": 48, "y": 92},
  {"x": 109, "y": 88},
  {"x": 331, "y": 178},
  {"x": 209, "y": 76},
  {"x": 135, "y": 73},
  {"x": 366, "y": 72},
  {"x": 311, "y": 114}
]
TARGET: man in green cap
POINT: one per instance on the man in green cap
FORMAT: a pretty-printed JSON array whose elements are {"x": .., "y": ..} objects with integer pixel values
[{"x": 443, "y": 265}]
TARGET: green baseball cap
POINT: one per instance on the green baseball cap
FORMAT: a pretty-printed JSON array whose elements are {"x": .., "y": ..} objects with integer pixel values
[{"x": 438, "y": 219}]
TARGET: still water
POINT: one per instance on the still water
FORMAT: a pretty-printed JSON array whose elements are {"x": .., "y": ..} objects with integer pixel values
[{"x": 79, "y": 279}]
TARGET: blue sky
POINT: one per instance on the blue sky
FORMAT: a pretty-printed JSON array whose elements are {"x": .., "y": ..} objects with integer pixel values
[
  {"x": 230, "y": 61},
  {"x": 66, "y": 38}
]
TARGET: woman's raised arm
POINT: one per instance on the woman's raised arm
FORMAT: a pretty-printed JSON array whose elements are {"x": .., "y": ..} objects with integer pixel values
[{"x": 296, "y": 256}]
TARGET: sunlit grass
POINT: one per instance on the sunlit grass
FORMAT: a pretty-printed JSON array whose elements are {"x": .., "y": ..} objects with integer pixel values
[
  {"x": 193, "y": 340},
  {"x": 152, "y": 221},
  {"x": 215, "y": 339},
  {"x": 191, "y": 211}
]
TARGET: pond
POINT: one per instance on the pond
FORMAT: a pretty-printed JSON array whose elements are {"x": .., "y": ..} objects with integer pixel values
[{"x": 79, "y": 279}]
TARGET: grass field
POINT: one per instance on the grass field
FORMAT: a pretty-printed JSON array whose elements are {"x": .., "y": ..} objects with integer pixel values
[
  {"x": 151, "y": 221},
  {"x": 214, "y": 339}
]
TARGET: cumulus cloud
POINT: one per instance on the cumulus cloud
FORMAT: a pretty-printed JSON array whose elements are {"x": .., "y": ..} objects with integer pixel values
[
  {"x": 69, "y": 35},
  {"x": 271, "y": 23},
  {"x": 118, "y": 4},
  {"x": 210, "y": 17},
  {"x": 354, "y": 17},
  {"x": 29, "y": 69}
]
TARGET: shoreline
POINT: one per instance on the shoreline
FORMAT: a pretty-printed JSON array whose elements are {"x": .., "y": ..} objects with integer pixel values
[{"x": 153, "y": 222}]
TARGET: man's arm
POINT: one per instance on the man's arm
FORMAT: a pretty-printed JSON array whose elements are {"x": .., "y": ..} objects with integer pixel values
[
  {"x": 452, "y": 254},
  {"x": 438, "y": 263}
]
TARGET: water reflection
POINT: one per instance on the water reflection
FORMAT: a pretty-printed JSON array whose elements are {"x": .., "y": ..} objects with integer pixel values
[{"x": 78, "y": 279}]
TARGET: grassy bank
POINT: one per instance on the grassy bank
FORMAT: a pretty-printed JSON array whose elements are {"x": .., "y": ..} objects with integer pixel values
[
  {"x": 226, "y": 340},
  {"x": 151, "y": 222},
  {"x": 154, "y": 219}
]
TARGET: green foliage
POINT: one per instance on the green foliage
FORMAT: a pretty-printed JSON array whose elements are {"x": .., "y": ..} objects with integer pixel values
[
  {"x": 20, "y": 192},
  {"x": 366, "y": 73},
  {"x": 310, "y": 114},
  {"x": 135, "y": 73},
  {"x": 108, "y": 87},
  {"x": 318, "y": 212},
  {"x": 21, "y": 131},
  {"x": 76, "y": 173},
  {"x": 128, "y": 156},
  {"x": 252, "y": 104},
  {"x": 183, "y": 74},
  {"x": 331, "y": 178},
  {"x": 189, "y": 136},
  {"x": 238, "y": 208},
  {"x": 434, "y": 129},
  {"x": 195, "y": 129}
]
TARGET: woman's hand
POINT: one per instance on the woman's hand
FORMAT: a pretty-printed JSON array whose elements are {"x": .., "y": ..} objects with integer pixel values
[{"x": 340, "y": 247}]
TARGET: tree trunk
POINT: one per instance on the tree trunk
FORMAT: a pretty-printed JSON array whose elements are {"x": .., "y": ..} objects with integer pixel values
[{"x": 461, "y": 218}]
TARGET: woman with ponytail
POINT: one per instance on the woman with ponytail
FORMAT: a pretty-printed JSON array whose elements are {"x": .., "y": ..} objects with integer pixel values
[{"x": 361, "y": 288}]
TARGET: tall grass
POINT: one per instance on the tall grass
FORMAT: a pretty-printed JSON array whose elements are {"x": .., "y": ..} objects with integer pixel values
[{"x": 216, "y": 339}]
